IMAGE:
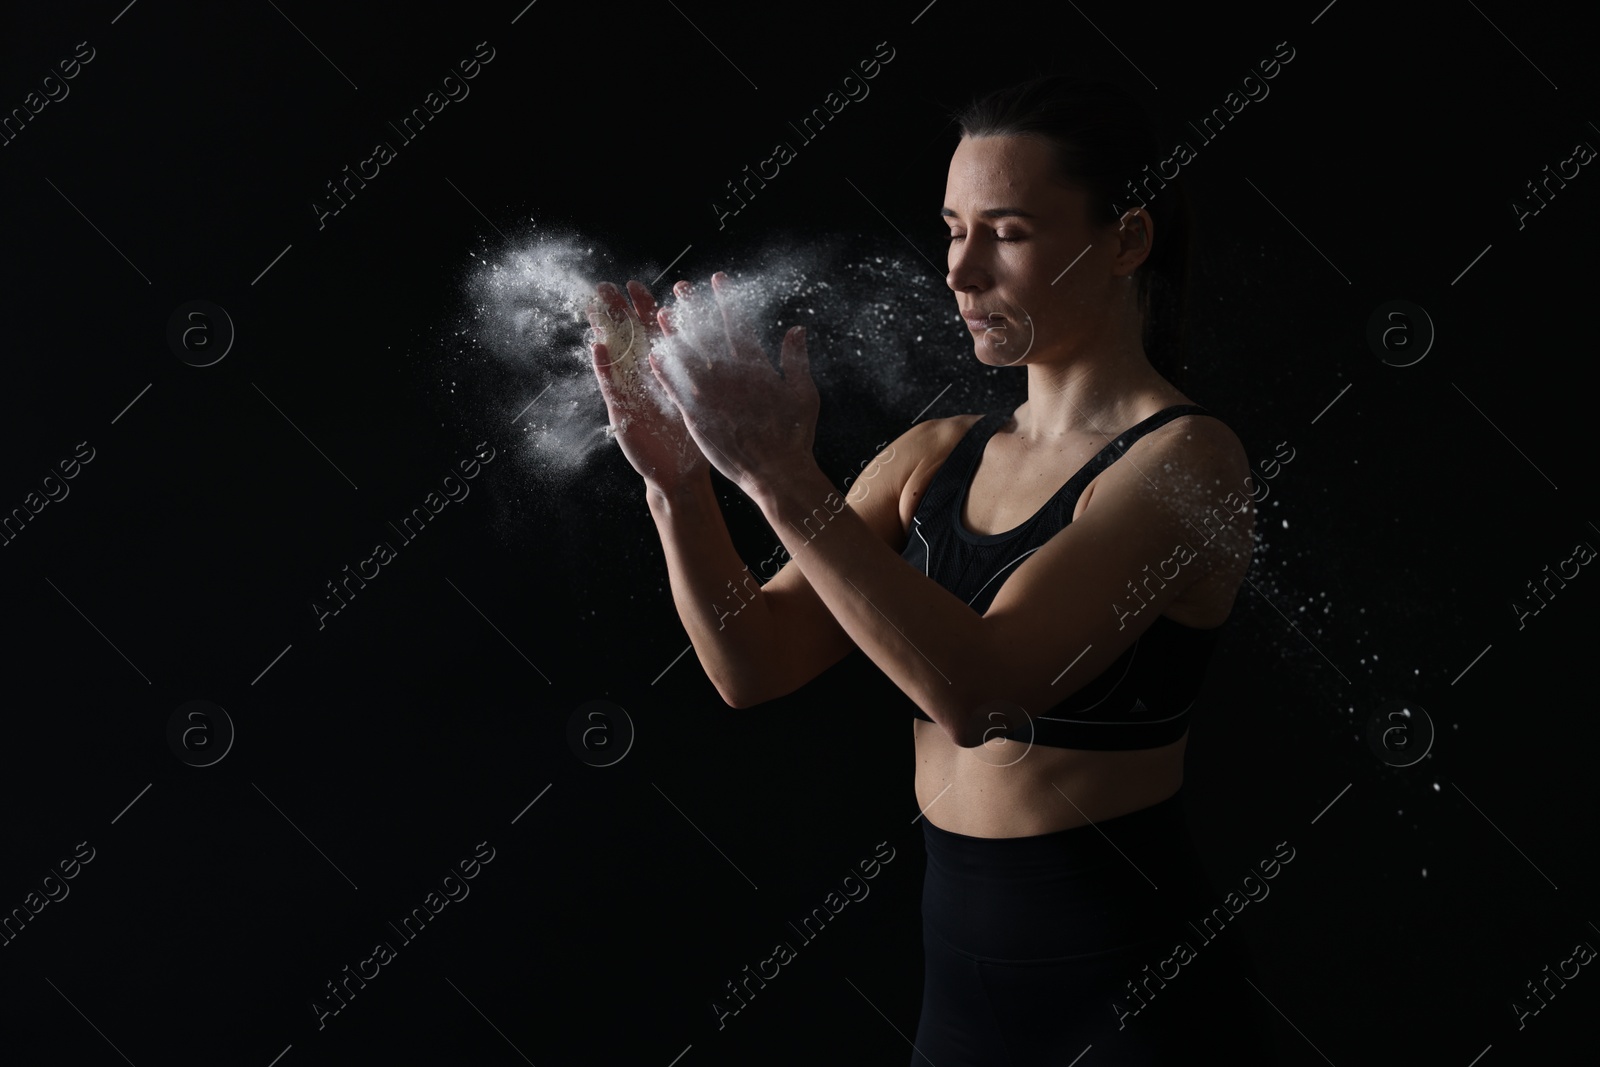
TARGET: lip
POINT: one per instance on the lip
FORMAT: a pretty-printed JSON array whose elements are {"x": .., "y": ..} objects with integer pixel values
[{"x": 982, "y": 322}]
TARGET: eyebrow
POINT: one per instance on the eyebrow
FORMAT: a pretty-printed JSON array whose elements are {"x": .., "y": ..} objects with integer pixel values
[{"x": 997, "y": 213}]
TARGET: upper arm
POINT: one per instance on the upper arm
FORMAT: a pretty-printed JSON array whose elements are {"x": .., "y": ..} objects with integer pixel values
[
  {"x": 1159, "y": 519},
  {"x": 813, "y": 640}
]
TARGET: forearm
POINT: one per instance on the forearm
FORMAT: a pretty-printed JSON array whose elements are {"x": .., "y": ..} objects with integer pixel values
[
  {"x": 918, "y": 633},
  {"x": 718, "y": 600}
]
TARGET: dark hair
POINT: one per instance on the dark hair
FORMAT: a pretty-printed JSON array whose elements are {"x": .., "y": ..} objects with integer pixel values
[{"x": 1102, "y": 141}]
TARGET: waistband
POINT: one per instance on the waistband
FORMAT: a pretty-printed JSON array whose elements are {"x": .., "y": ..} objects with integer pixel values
[
  {"x": 1089, "y": 889},
  {"x": 1157, "y": 826}
]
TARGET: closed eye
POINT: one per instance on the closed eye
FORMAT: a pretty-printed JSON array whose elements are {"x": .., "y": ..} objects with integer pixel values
[{"x": 1003, "y": 240}]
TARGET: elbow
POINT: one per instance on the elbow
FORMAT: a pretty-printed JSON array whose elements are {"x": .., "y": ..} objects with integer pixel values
[
  {"x": 958, "y": 738},
  {"x": 746, "y": 685},
  {"x": 963, "y": 735},
  {"x": 959, "y": 728},
  {"x": 737, "y": 695},
  {"x": 970, "y": 724},
  {"x": 732, "y": 684}
]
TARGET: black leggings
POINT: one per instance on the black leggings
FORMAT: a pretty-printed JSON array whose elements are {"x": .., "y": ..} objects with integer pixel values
[{"x": 1031, "y": 944}]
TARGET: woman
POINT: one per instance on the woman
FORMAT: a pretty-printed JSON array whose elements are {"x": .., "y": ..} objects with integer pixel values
[{"x": 1051, "y": 636}]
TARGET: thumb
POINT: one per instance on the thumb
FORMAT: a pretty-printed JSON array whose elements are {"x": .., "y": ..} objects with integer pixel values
[
  {"x": 600, "y": 360},
  {"x": 793, "y": 359},
  {"x": 664, "y": 380}
]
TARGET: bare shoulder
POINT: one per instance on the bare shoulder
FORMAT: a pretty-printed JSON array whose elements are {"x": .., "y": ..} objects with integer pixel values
[
  {"x": 926, "y": 446},
  {"x": 1191, "y": 477},
  {"x": 1183, "y": 458},
  {"x": 931, "y": 441},
  {"x": 1202, "y": 444}
]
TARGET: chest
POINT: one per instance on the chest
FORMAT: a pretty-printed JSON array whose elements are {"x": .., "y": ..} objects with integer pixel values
[{"x": 1011, "y": 482}]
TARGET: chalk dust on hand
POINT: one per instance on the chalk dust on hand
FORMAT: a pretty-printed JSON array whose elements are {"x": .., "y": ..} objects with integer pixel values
[{"x": 883, "y": 333}]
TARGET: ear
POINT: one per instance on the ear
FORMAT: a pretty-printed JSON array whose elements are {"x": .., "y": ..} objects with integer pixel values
[{"x": 1135, "y": 236}]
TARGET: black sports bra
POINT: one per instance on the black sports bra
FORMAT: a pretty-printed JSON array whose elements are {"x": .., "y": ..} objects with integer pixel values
[{"x": 1142, "y": 699}]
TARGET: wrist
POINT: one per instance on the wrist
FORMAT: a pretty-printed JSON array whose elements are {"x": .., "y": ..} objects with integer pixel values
[
  {"x": 796, "y": 495},
  {"x": 679, "y": 490}
]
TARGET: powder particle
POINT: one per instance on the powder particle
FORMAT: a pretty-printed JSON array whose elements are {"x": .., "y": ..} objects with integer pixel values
[
  {"x": 627, "y": 343},
  {"x": 868, "y": 310}
]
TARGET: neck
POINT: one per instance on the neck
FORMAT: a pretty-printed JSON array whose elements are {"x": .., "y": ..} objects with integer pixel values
[{"x": 1099, "y": 391}]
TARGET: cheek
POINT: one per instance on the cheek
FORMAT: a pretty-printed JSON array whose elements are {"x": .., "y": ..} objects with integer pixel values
[
  {"x": 1054, "y": 313},
  {"x": 1076, "y": 293},
  {"x": 1041, "y": 278},
  {"x": 1035, "y": 296}
]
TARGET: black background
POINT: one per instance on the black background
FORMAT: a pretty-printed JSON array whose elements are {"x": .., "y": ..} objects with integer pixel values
[{"x": 373, "y": 754}]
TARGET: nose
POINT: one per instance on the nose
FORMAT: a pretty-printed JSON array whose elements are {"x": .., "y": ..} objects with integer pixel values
[{"x": 967, "y": 271}]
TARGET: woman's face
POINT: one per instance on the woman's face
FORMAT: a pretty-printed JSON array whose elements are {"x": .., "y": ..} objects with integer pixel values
[{"x": 1033, "y": 279}]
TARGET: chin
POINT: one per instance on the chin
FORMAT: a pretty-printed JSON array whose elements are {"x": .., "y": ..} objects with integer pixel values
[
  {"x": 1003, "y": 356},
  {"x": 1018, "y": 344}
]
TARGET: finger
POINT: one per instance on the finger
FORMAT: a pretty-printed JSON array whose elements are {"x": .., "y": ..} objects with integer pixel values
[
  {"x": 604, "y": 308},
  {"x": 600, "y": 360},
  {"x": 619, "y": 322},
  {"x": 611, "y": 297},
  {"x": 699, "y": 322},
  {"x": 663, "y": 381},
  {"x": 609, "y": 335},
  {"x": 685, "y": 296},
  {"x": 644, "y": 305},
  {"x": 736, "y": 325},
  {"x": 794, "y": 360},
  {"x": 617, "y": 309}
]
